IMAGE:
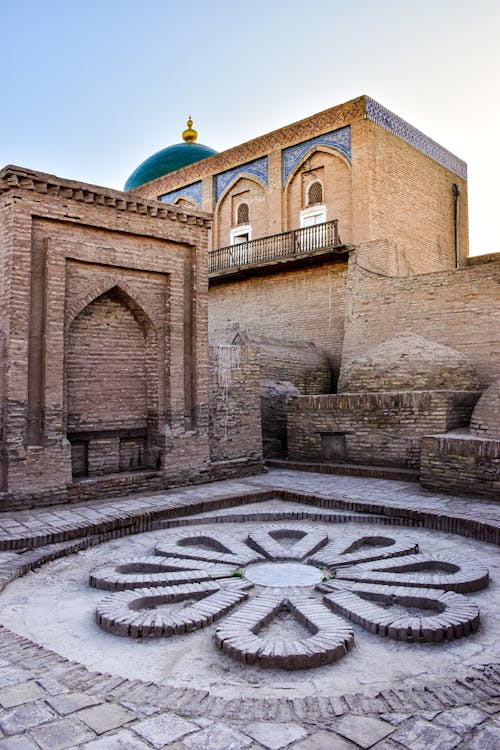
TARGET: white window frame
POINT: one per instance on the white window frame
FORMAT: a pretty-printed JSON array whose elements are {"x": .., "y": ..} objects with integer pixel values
[
  {"x": 319, "y": 209},
  {"x": 243, "y": 229}
]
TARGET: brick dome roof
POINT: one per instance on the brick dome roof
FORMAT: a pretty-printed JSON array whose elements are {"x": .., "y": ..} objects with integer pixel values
[
  {"x": 485, "y": 420},
  {"x": 408, "y": 362}
]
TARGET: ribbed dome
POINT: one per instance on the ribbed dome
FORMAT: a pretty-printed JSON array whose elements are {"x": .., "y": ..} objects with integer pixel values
[
  {"x": 408, "y": 362},
  {"x": 168, "y": 160},
  {"x": 485, "y": 420}
]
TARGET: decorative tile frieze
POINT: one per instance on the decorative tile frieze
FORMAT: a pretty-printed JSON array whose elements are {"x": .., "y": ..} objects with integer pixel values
[
  {"x": 402, "y": 129},
  {"x": 338, "y": 139},
  {"x": 190, "y": 191},
  {"x": 258, "y": 168}
]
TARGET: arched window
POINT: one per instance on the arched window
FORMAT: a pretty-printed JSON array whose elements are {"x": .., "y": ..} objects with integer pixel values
[
  {"x": 242, "y": 214},
  {"x": 315, "y": 193}
]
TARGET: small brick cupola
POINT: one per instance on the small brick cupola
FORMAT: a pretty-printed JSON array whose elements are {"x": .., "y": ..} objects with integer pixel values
[{"x": 408, "y": 362}]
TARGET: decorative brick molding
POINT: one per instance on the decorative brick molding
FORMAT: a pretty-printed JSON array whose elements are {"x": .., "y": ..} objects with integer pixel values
[{"x": 12, "y": 177}]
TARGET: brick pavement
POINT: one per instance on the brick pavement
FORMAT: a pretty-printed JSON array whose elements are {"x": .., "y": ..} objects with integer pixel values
[{"x": 48, "y": 701}]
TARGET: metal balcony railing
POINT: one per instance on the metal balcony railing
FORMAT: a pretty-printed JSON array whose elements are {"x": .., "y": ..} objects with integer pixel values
[{"x": 285, "y": 245}]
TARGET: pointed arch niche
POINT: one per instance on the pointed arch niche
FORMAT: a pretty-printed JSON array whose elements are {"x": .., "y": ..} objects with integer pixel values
[
  {"x": 332, "y": 170},
  {"x": 111, "y": 385},
  {"x": 248, "y": 190}
]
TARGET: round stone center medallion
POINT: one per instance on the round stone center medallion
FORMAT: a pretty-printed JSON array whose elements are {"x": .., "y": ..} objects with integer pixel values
[{"x": 281, "y": 575}]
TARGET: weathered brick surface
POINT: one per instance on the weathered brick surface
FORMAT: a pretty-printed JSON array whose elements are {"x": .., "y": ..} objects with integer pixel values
[
  {"x": 299, "y": 362},
  {"x": 461, "y": 463},
  {"x": 485, "y": 421},
  {"x": 235, "y": 425},
  {"x": 295, "y": 305},
  {"x": 385, "y": 429},
  {"x": 455, "y": 308},
  {"x": 408, "y": 362},
  {"x": 103, "y": 331}
]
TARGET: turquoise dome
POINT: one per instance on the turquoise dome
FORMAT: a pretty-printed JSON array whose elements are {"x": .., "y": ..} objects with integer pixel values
[{"x": 169, "y": 159}]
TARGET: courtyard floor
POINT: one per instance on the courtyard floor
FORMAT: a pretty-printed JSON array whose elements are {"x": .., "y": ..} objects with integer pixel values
[{"x": 66, "y": 683}]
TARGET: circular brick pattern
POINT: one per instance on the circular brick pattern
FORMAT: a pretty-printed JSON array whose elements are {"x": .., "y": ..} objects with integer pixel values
[
  {"x": 378, "y": 581},
  {"x": 438, "y": 688}
]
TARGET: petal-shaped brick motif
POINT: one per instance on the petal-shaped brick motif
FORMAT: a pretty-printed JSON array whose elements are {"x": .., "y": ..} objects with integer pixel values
[
  {"x": 436, "y": 572},
  {"x": 331, "y": 638},
  {"x": 355, "y": 548},
  {"x": 380, "y": 582},
  {"x": 155, "y": 571},
  {"x": 200, "y": 545},
  {"x": 270, "y": 541},
  {"x": 451, "y": 614},
  {"x": 132, "y": 613}
]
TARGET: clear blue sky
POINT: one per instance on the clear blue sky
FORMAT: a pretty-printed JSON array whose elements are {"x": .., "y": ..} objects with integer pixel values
[{"x": 90, "y": 89}]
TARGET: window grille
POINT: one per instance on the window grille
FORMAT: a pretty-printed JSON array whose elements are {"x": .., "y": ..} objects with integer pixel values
[
  {"x": 315, "y": 193},
  {"x": 243, "y": 214}
]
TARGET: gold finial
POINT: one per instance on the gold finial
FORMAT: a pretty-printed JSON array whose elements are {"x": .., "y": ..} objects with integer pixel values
[{"x": 190, "y": 135}]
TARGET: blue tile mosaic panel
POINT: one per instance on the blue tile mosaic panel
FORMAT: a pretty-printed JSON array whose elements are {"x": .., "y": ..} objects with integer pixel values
[
  {"x": 257, "y": 167},
  {"x": 339, "y": 139},
  {"x": 190, "y": 191},
  {"x": 402, "y": 129}
]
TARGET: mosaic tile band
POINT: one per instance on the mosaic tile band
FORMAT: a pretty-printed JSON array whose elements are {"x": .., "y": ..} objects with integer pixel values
[
  {"x": 339, "y": 139},
  {"x": 258, "y": 167},
  {"x": 190, "y": 191},
  {"x": 402, "y": 129}
]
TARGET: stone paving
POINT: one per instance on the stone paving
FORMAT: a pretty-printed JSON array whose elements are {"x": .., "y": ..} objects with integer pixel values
[{"x": 48, "y": 701}]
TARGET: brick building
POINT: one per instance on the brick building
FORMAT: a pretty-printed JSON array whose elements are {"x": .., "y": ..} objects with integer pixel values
[
  {"x": 330, "y": 236},
  {"x": 316, "y": 245},
  {"x": 106, "y": 380}
]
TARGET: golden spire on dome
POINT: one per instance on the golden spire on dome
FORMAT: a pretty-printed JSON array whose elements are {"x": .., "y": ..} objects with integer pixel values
[{"x": 190, "y": 135}]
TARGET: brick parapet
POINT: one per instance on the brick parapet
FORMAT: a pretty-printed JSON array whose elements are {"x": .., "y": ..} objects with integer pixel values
[
  {"x": 461, "y": 463},
  {"x": 373, "y": 428},
  {"x": 13, "y": 178}
]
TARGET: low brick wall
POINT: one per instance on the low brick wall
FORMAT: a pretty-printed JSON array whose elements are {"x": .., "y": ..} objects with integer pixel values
[
  {"x": 385, "y": 429},
  {"x": 461, "y": 463}
]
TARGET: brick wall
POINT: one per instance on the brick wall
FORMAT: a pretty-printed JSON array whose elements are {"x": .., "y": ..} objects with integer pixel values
[
  {"x": 106, "y": 368},
  {"x": 304, "y": 305},
  {"x": 235, "y": 425},
  {"x": 461, "y": 464},
  {"x": 135, "y": 359},
  {"x": 403, "y": 196},
  {"x": 298, "y": 362},
  {"x": 460, "y": 309},
  {"x": 383, "y": 429}
]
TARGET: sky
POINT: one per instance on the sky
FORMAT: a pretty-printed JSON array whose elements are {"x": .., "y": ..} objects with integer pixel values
[{"x": 90, "y": 89}]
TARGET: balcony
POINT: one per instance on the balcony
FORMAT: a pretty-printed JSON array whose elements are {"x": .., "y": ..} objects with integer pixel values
[{"x": 308, "y": 242}]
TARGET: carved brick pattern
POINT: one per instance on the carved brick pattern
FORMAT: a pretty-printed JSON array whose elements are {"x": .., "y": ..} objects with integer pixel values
[
  {"x": 329, "y": 119},
  {"x": 15, "y": 177}
]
